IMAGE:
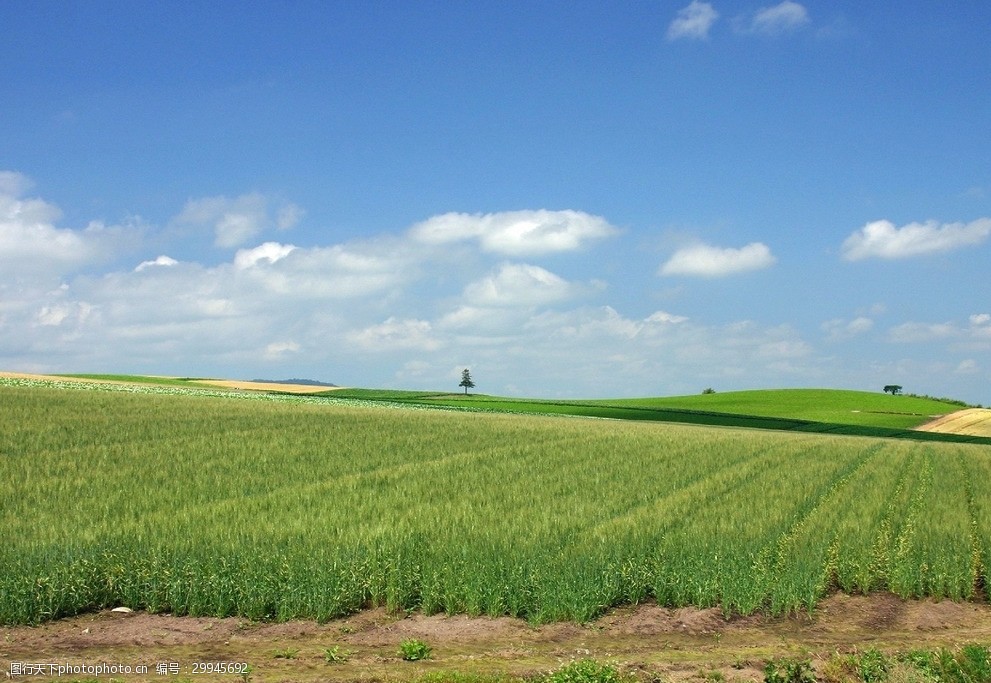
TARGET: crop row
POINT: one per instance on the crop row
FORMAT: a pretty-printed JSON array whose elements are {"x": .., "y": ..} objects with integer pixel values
[{"x": 194, "y": 503}]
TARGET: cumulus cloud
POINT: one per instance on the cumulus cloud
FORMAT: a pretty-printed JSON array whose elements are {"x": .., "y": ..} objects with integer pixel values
[
  {"x": 617, "y": 353},
  {"x": 27, "y": 234},
  {"x": 237, "y": 220},
  {"x": 395, "y": 334},
  {"x": 518, "y": 284},
  {"x": 882, "y": 239},
  {"x": 693, "y": 22},
  {"x": 950, "y": 336},
  {"x": 32, "y": 246},
  {"x": 515, "y": 233},
  {"x": 704, "y": 260},
  {"x": 784, "y": 17},
  {"x": 336, "y": 272},
  {"x": 403, "y": 308}
]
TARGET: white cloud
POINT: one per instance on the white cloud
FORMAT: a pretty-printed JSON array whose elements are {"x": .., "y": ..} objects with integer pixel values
[
  {"x": 31, "y": 246},
  {"x": 269, "y": 252},
  {"x": 235, "y": 221},
  {"x": 881, "y": 239},
  {"x": 693, "y": 22},
  {"x": 67, "y": 315},
  {"x": 395, "y": 334},
  {"x": 946, "y": 337},
  {"x": 469, "y": 317},
  {"x": 14, "y": 184},
  {"x": 168, "y": 311},
  {"x": 163, "y": 260},
  {"x": 279, "y": 350},
  {"x": 342, "y": 271},
  {"x": 404, "y": 308},
  {"x": 336, "y": 272},
  {"x": 708, "y": 261},
  {"x": 483, "y": 325},
  {"x": 515, "y": 233},
  {"x": 518, "y": 284},
  {"x": 840, "y": 330},
  {"x": 615, "y": 354},
  {"x": 781, "y": 18},
  {"x": 53, "y": 315},
  {"x": 913, "y": 332},
  {"x": 665, "y": 318},
  {"x": 288, "y": 216},
  {"x": 980, "y": 328},
  {"x": 968, "y": 366}
]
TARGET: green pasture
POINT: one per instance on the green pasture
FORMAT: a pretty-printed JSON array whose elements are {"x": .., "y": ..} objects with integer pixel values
[
  {"x": 820, "y": 405},
  {"x": 269, "y": 507},
  {"x": 858, "y": 413}
]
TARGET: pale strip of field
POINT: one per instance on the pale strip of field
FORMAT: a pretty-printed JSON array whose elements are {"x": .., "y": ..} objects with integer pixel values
[
  {"x": 972, "y": 422},
  {"x": 60, "y": 378},
  {"x": 264, "y": 386},
  {"x": 219, "y": 383}
]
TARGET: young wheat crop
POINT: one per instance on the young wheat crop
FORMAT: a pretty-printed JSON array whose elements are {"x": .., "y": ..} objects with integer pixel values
[{"x": 206, "y": 503}]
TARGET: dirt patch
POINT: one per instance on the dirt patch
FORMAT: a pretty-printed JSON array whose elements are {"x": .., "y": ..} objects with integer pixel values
[
  {"x": 675, "y": 644},
  {"x": 651, "y": 620},
  {"x": 971, "y": 422},
  {"x": 461, "y": 629},
  {"x": 884, "y": 613},
  {"x": 113, "y": 630}
]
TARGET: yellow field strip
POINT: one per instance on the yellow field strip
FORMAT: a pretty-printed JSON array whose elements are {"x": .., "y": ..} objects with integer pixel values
[
  {"x": 972, "y": 421},
  {"x": 221, "y": 383},
  {"x": 264, "y": 386}
]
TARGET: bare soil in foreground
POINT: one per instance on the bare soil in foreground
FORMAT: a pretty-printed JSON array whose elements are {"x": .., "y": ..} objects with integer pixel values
[{"x": 652, "y": 642}]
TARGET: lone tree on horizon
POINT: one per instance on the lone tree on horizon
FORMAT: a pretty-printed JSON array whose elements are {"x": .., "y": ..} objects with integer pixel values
[
  {"x": 466, "y": 381},
  {"x": 893, "y": 389}
]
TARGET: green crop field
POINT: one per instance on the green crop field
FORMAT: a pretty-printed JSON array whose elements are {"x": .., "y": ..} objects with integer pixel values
[
  {"x": 858, "y": 413},
  {"x": 209, "y": 503}
]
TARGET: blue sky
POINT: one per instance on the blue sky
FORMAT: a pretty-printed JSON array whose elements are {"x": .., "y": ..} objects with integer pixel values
[{"x": 570, "y": 198}]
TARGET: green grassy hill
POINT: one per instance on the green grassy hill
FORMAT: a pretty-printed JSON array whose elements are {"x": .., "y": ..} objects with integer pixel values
[
  {"x": 834, "y": 411},
  {"x": 820, "y": 405}
]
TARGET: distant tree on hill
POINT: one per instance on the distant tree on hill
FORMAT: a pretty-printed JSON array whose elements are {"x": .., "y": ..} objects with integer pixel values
[
  {"x": 466, "y": 381},
  {"x": 708, "y": 390},
  {"x": 893, "y": 389}
]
